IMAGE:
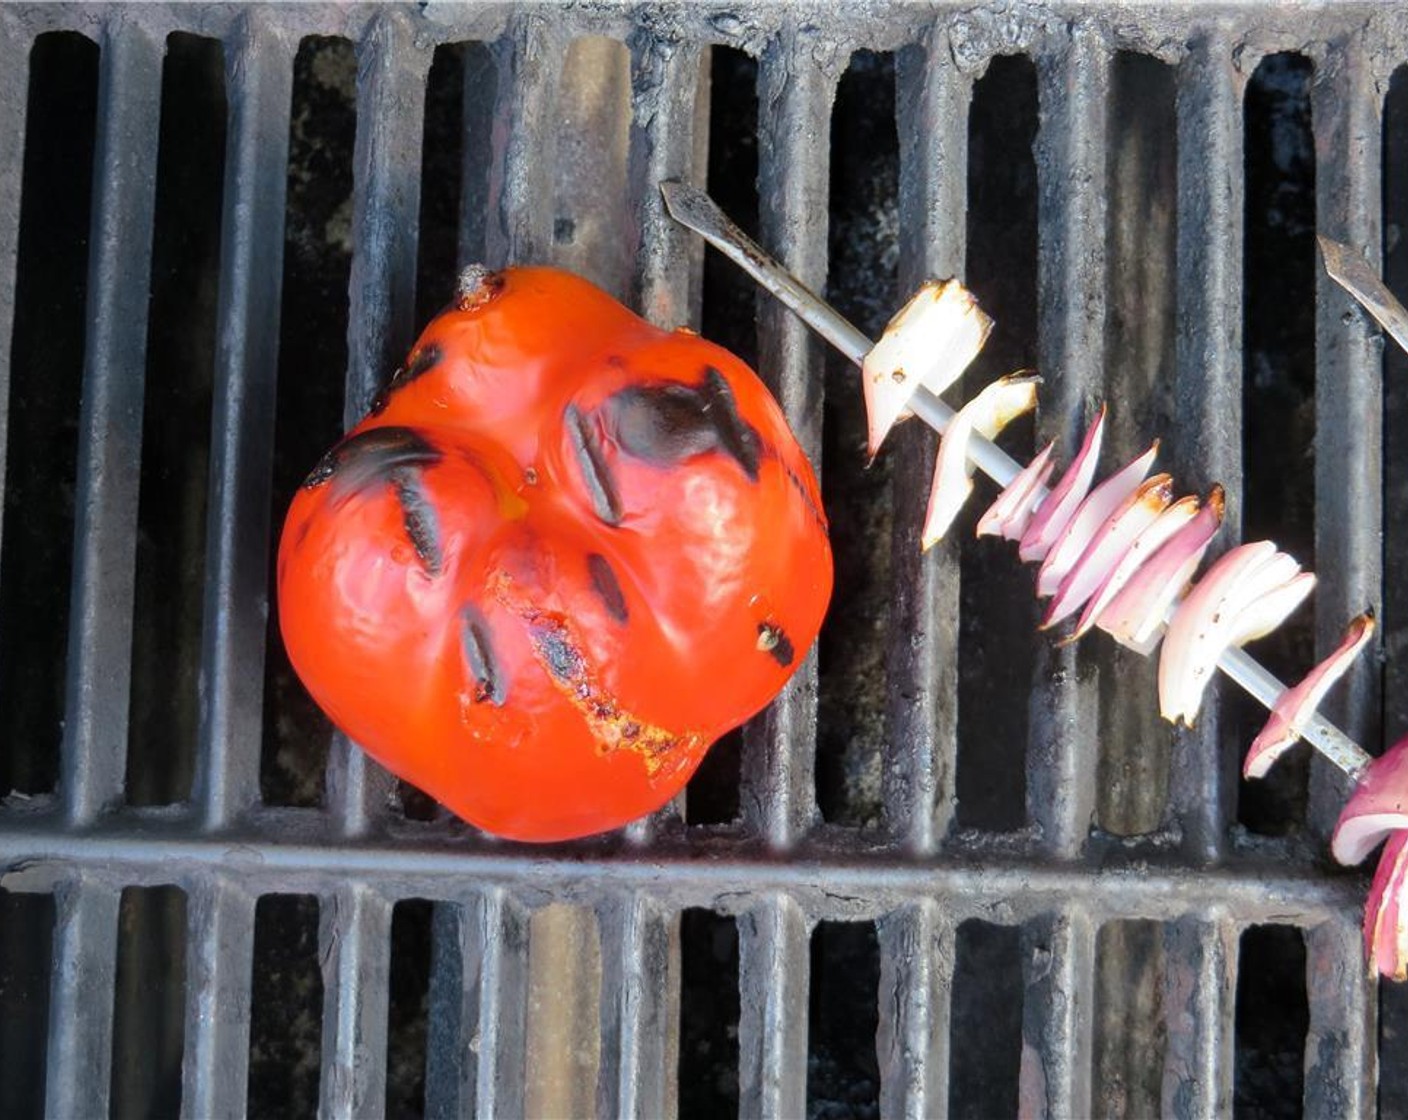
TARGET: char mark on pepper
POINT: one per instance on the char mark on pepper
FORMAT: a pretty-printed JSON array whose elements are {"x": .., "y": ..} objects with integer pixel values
[
  {"x": 422, "y": 361},
  {"x": 773, "y": 639},
  {"x": 371, "y": 458},
  {"x": 611, "y": 726},
  {"x": 422, "y": 526},
  {"x": 562, "y": 658},
  {"x": 665, "y": 423},
  {"x": 806, "y": 495},
  {"x": 586, "y": 444},
  {"x": 479, "y": 655},
  {"x": 607, "y": 586}
]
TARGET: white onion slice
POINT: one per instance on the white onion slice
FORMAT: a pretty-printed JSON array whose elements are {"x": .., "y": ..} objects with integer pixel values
[
  {"x": 931, "y": 340},
  {"x": 988, "y": 413},
  {"x": 1240, "y": 594}
]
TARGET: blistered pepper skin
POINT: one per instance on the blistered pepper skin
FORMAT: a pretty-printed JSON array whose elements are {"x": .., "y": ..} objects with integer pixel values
[{"x": 564, "y": 553}]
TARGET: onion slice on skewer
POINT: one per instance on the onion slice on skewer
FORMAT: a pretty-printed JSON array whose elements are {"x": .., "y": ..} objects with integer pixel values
[
  {"x": 1298, "y": 704},
  {"x": 1103, "y": 501},
  {"x": 1248, "y": 591},
  {"x": 1144, "y": 546},
  {"x": 1135, "y": 616},
  {"x": 987, "y": 413},
  {"x": 1065, "y": 498},
  {"x": 1012, "y": 512},
  {"x": 930, "y": 341},
  {"x": 1110, "y": 544}
]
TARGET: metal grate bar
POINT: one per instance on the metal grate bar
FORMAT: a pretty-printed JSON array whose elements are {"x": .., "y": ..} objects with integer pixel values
[
  {"x": 79, "y": 1059},
  {"x": 354, "y": 945},
  {"x": 773, "y": 971},
  {"x": 391, "y": 77},
  {"x": 933, "y": 98},
  {"x": 640, "y": 1009},
  {"x": 1073, "y": 84},
  {"x": 665, "y": 143},
  {"x": 110, "y": 424},
  {"x": 1058, "y": 964},
  {"x": 14, "y": 83},
  {"x": 1347, "y": 113},
  {"x": 219, "y": 966},
  {"x": 1200, "y": 993},
  {"x": 1208, "y": 417},
  {"x": 1058, "y": 887},
  {"x": 1341, "y": 1058},
  {"x": 259, "y": 76},
  {"x": 778, "y": 795},
  {"x": 519, "y": 226},
  {"x": 500, "y": 945},
  {"x": 667, "y": 283},
  {"x": 478, "y": 981},
  {"x": 848, "y": 887},
  {"x": 917, "y": 954}
]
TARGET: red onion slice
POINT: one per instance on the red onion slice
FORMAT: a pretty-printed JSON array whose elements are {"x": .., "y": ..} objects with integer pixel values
[
  {"x": 1242, "y": 593},
  {"x": 1012, "y": 512},
  {"x": 1097, "y": 508},
  {"x": 1378, "y": 806},
  {"x": 1136, "y": 615},
  {"x": 1385, "y": 931},
  {"x": 1109, "y": 545},
  {"x": 1145, "y": 545},
  {"x": 1061, "y": 505},
  {"x": 1297, "y": 705}
]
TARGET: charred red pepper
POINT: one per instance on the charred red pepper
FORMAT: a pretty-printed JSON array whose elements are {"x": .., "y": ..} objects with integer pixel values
[{"x": 564, "y": 553}]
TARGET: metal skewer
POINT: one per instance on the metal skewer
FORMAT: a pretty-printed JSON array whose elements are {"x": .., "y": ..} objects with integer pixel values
[
  {"x": 695, "y": 210},
  {"x": 1354, "y": 274}
]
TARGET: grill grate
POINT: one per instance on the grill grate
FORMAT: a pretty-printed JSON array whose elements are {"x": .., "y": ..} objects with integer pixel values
[{"x": 778, "y": 869}]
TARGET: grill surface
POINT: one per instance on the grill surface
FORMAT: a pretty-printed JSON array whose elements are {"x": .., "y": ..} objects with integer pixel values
[{"x": 498, "y": 932}]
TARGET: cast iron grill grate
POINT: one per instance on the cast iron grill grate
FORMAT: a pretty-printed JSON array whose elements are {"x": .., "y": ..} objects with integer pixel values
[{"x": 1137, "y": 222}]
